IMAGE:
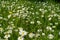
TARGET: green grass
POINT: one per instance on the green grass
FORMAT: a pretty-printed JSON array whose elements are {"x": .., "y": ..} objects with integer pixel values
[{"x": 31, "y": 16}]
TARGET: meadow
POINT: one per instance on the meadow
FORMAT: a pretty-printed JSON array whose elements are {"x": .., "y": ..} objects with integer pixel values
[{"x": 26, "y": 20}]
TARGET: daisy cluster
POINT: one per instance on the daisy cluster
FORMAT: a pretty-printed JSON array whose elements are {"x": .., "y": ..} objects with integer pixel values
[{"x": 24, "y": 20}]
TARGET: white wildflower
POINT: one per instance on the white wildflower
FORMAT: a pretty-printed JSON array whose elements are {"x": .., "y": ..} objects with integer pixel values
[
  {"x": 53, "y": 26},
  {"x": 43, "y": 34},
  {"x": 39, "y": 30},
  {"x": 1, "y": 17},
  {"x": 23, "y": 33},
  {"x": 49, "y": 18},
  {"x": 48, "y": 28},
  {"x": 7, "y": 36},
  {"x": 23, "y": 8},
  {"x": 41, "y": 9},
  {"x": 53, "y": 11},
  {"x": 37, "y": 35},
  {"x": 31, "y": 35},
  {"x": 56, "y": 23},
  {"x": 8, "y": 32},
  {"x": 20, "y": 28},
  {"x": 19, "y": 7},
  {"x": 1, "y": 30},
  {"x": 5, "y": 19},
  {"x": 9, "y": 27},
  {"x": 32, "y": 22},
  {"x": 50, "y": 36},
  {"x": 20, "y": 38},
  {"x": 38, "y": 22},
  {"x": 9, "y": 16}
]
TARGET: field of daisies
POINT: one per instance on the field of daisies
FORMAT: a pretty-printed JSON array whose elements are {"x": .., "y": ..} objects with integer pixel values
[{"x": 26, "y": 20}]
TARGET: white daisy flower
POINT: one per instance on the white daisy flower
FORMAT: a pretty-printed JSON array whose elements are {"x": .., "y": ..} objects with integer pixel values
[
  {"x": 32, "y": 22},
  {"x": 1, "y": 30},
  {"x": 37, "y": 35},
  {"x": 1, "y": 17},
  {"x": 50, "y": 36},
  {"x": 43, "y": 34},
  {"x": 31, "y": 35},
  {"x": 53, "y": 26},
  {"x": 23, "y": 33},
  {"x": 56, "y": 23},
  {"x": 49, "y": 18},
  {"x": 19, "y": 7},
  {"x": 41, "y": 9},
  {"x": 53, "y": 11},
  {"x": 20, "y": 28},
  {"x": 9, "y": 16},
  {"x": 9, "y": 27},
  {"x": 7, "y": 36},
  {"x": 20, "y": 38},
  {"x": 39, "y": 30},
  {"x": 38, "y": 22},
  {"x": 9, "y": 31},
  {"x": 48, "y": 28}
]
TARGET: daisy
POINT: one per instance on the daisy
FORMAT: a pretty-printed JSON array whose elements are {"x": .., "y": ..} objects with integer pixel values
[
  {"x": 1, "y": 30},
  {"x": 38, "y": 22},
  {"x": 32, "y": 22},
  {"x": 37, "y": 35},
  {"x": 7, "y": 36},
  {"x": 23, "y": 33},
  {"x": 31, "y": 35},
  {"x": 48, "y": 28},
  {"x": 43, "y": 34},
  {"x": 9, "y": 16},
  {"x": 20, "y": 29},
  {"x": 50, "y": 36},
  {"x": 20, "y": 38}
]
